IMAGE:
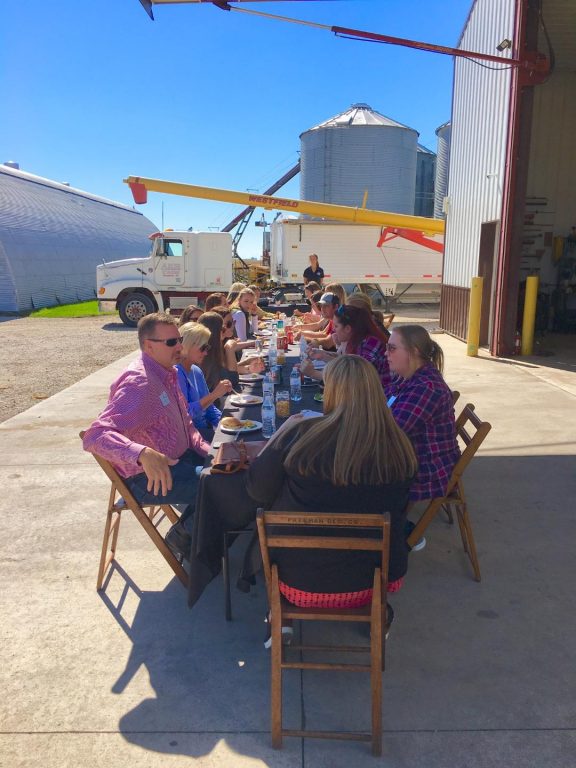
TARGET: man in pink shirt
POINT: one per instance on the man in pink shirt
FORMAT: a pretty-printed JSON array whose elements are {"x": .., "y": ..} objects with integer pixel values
[{"x": 145, "y": 431}]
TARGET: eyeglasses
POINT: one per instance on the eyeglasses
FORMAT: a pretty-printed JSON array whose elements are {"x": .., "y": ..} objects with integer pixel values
[
  {"x": 169, "y": 342},
  {"x": 205, "y": 348},
  {"x": 229, "y": 324}
]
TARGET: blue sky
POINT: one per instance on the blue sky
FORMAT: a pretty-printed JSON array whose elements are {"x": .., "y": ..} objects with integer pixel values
[{"x": 95, "y": 91}]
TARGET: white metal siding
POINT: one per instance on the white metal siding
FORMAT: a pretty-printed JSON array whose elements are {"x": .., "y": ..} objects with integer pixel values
[
  {"x": 478, "y": 141},
  {"x": 52, "y": 238}
]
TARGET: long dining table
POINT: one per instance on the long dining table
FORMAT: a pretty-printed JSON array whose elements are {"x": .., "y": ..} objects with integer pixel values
[{"x": 222, "y": 501}]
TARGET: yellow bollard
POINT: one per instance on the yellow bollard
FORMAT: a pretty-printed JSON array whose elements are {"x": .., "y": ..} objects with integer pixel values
[
  {"x": 529, "y": 317},
  {"x": 474, "y": 316}
]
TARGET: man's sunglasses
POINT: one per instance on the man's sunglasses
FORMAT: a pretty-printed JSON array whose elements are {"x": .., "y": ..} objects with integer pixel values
[{"x": 169, "y": 342}]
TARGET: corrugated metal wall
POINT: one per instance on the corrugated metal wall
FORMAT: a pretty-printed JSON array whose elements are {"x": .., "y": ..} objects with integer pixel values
[
  {"x": 52, "y": 238},
  {"x": 478, "y": 141}
]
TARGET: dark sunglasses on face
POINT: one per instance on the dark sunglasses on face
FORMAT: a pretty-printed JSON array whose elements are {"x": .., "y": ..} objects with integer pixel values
[
  {"x": 205, "y": 348},
  {"x": 169, "y": 342},
  {"x": 229, "y": 324}
]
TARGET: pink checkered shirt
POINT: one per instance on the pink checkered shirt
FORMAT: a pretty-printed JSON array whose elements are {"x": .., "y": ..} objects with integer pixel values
[{"x": 146, "y": 409}]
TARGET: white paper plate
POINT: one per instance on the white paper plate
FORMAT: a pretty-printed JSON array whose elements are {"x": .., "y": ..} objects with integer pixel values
[
  {"x": 246, "y": 400},
  {"x": 250, "y": 378},
  {"x": 235, "y": 430},
  {"x": 263, "y": 333}
]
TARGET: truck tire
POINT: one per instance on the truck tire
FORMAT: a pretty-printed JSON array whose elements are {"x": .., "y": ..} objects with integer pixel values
[{"x": 134, "y": 306}]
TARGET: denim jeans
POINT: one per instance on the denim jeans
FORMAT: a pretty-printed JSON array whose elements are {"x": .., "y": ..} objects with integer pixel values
[{"x": 184, "y": 485}]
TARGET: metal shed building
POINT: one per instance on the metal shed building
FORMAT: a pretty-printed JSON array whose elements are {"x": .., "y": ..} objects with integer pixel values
[
  {"x": 510, "y": 190},
  {"x": 52, "y": 237}
]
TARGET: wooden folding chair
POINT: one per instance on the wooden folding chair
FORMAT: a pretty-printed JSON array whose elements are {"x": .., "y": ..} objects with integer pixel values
[
  {"x": 472, "y": 431},
  {"x": 148, "y": 515},
  {"x": 276, "y": 530}
]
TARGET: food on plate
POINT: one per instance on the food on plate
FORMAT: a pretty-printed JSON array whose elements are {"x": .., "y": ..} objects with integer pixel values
[{"x": 231, "y": 422}]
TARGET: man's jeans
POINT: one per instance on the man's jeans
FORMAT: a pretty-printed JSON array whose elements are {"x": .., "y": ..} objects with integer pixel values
[{"x": 184, "y": 485}]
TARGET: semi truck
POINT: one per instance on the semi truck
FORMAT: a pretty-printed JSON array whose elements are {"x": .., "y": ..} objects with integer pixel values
[{"x": 182, "y": 268}]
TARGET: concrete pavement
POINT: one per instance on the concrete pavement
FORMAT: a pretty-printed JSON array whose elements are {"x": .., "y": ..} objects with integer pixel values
[{"x": 477, "y": 674}]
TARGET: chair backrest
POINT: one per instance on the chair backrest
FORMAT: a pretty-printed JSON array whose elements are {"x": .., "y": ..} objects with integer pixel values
[
  {"x": 455, "y": 396},
  {"x": 276, "y": 531},
  {"x": 116, "y": 480},
  {"x": 472, "y": 431}
]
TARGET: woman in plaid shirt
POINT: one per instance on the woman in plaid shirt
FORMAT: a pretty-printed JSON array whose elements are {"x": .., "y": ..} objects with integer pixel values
[
  {"x": 421, "y": 404},
  {"x": 355, "y": 333}
]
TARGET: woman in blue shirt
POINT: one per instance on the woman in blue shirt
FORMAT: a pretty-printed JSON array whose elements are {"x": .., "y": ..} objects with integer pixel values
[{"x": 195, "y": 347}]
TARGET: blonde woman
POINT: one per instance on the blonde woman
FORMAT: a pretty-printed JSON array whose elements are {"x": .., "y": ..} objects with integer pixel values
[
  {"x": 235, "y": 289},
  {"x": 200, "y": 401},
  {"x": 243, "y": 313},
  {"x": 354, "y": 458},
  {"x": 338, "y": 290}
]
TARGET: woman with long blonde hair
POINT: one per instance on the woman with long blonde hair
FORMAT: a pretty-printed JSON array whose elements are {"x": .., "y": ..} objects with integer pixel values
[
  {"x": 200, "y": 400},
  {"x": 354, "y": 458}
]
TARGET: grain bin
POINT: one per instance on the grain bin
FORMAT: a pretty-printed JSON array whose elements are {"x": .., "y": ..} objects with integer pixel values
[
  {"x": 425, "y": 173},
  {"x": 444, "y": 133},
  {"x": 359, "y": 150}
]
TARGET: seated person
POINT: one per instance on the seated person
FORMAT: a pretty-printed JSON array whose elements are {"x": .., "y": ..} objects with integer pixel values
[
  {"x": 421, "y": 404},
  {"x": 231, "y": 348},
  {"x": 309, "y": 290},
  {"x": 215, "y": 300},
  {"x": 256, "y": 310},
  {"x": 354, "y": 458},
  {"x": 200, "y": 400},
  {"x": 143, "y": 431},
  {"x": 356, "y": 333},
  {"x": 190, "y": 314},
  {"x": 242, "y": 313},
  {"x": 321, "y": 331}
]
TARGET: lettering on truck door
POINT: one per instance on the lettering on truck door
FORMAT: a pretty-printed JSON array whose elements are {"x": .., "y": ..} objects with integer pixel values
[{"x": 169, "y": 263}]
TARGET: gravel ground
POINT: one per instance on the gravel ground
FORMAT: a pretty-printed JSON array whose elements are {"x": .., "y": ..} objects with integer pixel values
[{"x": 41, "y": 356}]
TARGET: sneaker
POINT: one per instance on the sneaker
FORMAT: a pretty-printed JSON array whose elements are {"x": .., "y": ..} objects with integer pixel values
[
  {"x": 287, "y": 634},
  {"x": 421, "y": 543}
]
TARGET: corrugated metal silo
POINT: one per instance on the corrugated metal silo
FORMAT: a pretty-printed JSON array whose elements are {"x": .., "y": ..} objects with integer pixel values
[
  {"x": 360, "y": 150},
  {"x": 425, "y": 173},
  {"x": 444, "y": 133}
]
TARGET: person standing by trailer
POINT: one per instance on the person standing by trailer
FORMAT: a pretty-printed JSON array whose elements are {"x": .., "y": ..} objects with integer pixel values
[{"x": 314, "y": 272}]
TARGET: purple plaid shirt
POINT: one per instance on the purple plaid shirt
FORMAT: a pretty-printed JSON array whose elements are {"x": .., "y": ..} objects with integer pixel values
[
  {"x": 374, "y": 351},
  {"x": 423, "y": 409},
  {"x": 146, "y": 409}
]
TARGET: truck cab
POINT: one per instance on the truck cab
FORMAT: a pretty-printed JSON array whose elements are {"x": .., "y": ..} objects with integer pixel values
[{"x": 182, "y": 267}]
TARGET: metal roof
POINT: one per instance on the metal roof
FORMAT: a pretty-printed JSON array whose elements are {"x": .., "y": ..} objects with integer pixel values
[
  {"x": 17, "y": 173},
  {"x": 359, "y": 115}
]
